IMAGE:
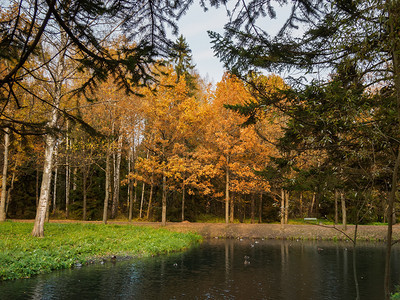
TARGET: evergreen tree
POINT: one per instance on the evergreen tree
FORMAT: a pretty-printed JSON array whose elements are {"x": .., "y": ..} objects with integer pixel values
[
  {"x": 181, "y": 58},
  {"x": 91, "y": 27},
  {"x": 357, "y": 39}
]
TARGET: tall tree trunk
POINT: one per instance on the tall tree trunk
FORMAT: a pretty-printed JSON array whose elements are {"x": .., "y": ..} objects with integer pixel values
[
  {"x": 117, "y": 171},
  {"x": 50, "y": 144},
  {"x": 141, "y": 201},
  {"x": 312, "y": 203},
  {"x": 55, "y": 184},
  {"x": 38, "y": 228},
  {"x": 10, "y": 191},
  {"x": 232, "y": 209},
  {"x": 4, "y": 178},
  {"x": 389, "y": 237},
  {"x": 336, "y": 207},
  {"x": 227, "y": 191},
  {"x": 67, "y": 175},
  {"x": 252, "y": 213},
  {"x": 393, "y": 9},
  {"x": 107, "y": 186},
  {"x": 150, "y": 196},
  {"x": 48, "y": 206},
  {"x": 37, "y": 191},
  {"x": 84, "y": 188},
  {"x": 132, "y": 185},
  {"x": 129, "y": 179},
  {"x": 282, "y": 207},
  {"x": 260, "y": 208},
  {"x": 132, "y": 199},
  {"x": 164, "y": 199},
  {"x": 74, "y": 179},
  {"x": 301, "y": 204},
  {"x": 183, "y": 200},
  {"x": 58, "y": 76},
  {"x": 344, "y": 212},
  {"x": 286, "y": 206}
]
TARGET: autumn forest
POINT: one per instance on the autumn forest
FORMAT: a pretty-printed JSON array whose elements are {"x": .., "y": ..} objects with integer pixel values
[
  {"x": 170, "y": 152},
  {"x": 176, "y": 151},
  {"x": 96, "y": 130}
]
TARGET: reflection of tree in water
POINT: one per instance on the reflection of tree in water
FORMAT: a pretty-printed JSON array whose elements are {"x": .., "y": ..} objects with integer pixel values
[{"x": 301, "y": 270}]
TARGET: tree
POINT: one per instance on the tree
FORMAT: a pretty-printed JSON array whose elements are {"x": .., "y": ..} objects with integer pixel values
[
  {"x": 170, "y": 116},
  {"x": 233, "y": 150},
  {"x": 58, "y": 73},
  {"x": 84, "y": 24},
  {"x": 181, "y": 59},
  {"x": 332, "y": 39},
  {"x": 4, "y": 176}
]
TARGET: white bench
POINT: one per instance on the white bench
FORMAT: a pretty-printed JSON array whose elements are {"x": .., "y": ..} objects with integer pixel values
[{"x": 310, "y": 219}]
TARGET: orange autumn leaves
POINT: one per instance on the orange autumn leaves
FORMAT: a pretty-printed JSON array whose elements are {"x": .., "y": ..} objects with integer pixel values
[{"x": 189, "y": 138}]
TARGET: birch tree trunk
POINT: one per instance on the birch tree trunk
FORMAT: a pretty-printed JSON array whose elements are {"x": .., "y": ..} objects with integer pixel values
[
  {"x": 37, "y": 191},
  {"x": 55, "y": 184},
  {"x": 312, "y": 203},
  {"x": 150, "y": 196},
  {"x": 252, "y": 213},
  {"x": 4, "y": 178},
  {"x": 301, "y": 204},
  {"x": 132, "y": 199},
  {"x": 282, "y": 207},
  {"x": 141, "y": 201},
  {"x": 286, "y": 206},
  {"x": 67, "y": 175},
  {"x": 107, "y": 186},
  {"x": 84, "y": 188},
  {"x": 232, "y": 209},
  {"x": 74, "y": 178},
  {"x": 260, "y": 208},
  {"x": 183, "y": 200},
  {"x": 117, "y": 171},
  {"x": 344, "y": 213},
  {"x": 132, "y": 186},
  {"x": 164, "y": 200},
  {"x": 336, "y": 207},
  {"x": 227, "y": 191},
  {"x": 38, "y": 228},
  {"x": 129, "y": 179},
  {"x": 58, "y": 76}
]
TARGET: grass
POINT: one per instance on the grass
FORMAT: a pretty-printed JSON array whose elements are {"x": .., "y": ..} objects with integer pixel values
[
  {"x": 395, "y": 296},
  {"x": 65, "y": 245}
]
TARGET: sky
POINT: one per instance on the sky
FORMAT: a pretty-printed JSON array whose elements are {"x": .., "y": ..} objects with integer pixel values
[{"x": 194, "y": 25}]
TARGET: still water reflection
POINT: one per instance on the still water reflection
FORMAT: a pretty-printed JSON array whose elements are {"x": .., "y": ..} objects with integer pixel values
[{"x": 217, "y": 270}]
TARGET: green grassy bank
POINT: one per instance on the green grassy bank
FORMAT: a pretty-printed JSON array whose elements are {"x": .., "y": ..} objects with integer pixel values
[{"x": 66, "y": 245}]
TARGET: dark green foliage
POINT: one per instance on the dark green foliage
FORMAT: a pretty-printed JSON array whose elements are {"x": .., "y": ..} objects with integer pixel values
[
  {"x": 90, "y": 29},
  {"x": 181, "y": 58},
  {"x": 352, "y": 117}
]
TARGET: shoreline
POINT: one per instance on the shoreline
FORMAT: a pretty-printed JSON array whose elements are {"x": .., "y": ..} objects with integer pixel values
[{"x": 265, "y": 231}]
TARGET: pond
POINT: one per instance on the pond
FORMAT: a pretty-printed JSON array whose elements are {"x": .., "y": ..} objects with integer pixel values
[{"x": 224, "y": 269}]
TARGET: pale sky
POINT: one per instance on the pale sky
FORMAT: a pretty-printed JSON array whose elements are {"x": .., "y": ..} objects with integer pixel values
[{"x": 194, "y": 25}]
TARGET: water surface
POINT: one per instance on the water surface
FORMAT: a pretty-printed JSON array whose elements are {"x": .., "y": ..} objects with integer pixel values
[{"x": 217, "y": 270}]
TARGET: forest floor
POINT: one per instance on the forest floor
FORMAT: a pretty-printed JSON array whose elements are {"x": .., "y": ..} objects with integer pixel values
[{"x": 267, "y": 231}]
